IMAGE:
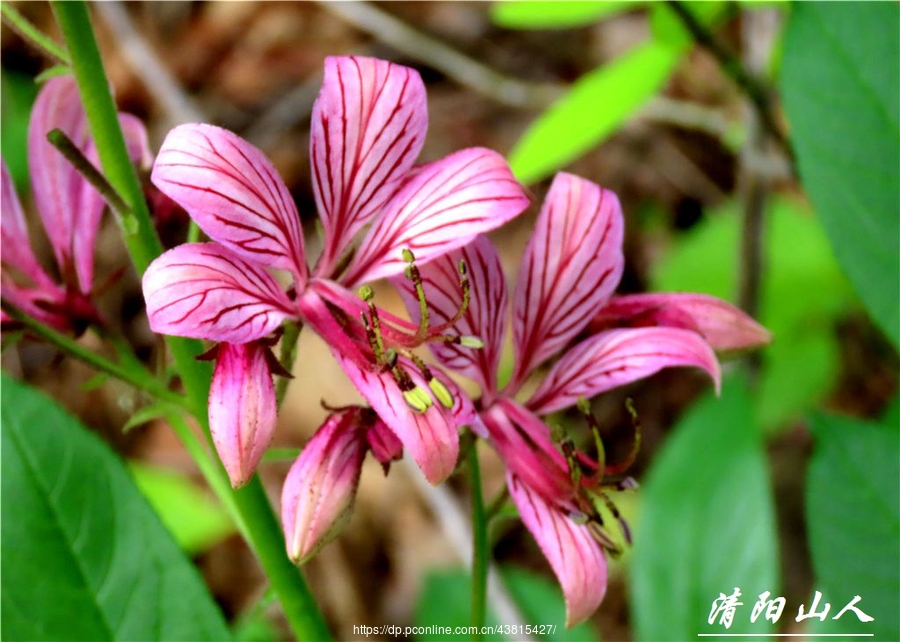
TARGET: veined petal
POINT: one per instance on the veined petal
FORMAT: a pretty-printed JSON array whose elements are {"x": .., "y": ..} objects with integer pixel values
[
  {"x": 443, "y": 206},
  {"x": 383, "y": 443},
  {"x": 368, "y": 127},
  {"x": 135, "y": 134},
  {"x": 431, "y": 437},
  {"x": 242, "y": 408},
  {"x": 616, "y": 357},
  {"x": 17, "y": 253},
  {"x": 318, "y": 493},
  {"x": 485, "y": 316},
  {"x": 233, "y": 192},
  {"x": 65, "y": 201},
  {"x": 576, "y": 557},
  {"x": 205, "y": 291},
  {"x": 570, "y": 268},
  {"x": 525, "y": 445},
  {"x": 725, "y": 327}
]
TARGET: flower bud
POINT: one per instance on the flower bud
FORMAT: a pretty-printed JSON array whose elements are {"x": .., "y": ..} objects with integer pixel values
[
  {"x": 319, "y": 490},
  {"x": 242, "y": 408}
]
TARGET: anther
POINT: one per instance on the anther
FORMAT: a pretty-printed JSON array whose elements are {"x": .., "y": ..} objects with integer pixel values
[
  {"x": 417, "y": 399},
  {"x": 441, "y": 393}
]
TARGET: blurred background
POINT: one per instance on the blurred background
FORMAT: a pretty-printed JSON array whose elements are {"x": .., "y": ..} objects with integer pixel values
[{"x": 617, "y": 93}]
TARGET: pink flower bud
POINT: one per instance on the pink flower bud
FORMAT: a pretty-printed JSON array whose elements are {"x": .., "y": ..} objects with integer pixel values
[{"x": 319, "y": 490}]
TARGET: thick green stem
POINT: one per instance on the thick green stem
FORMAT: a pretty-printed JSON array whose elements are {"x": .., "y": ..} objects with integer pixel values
[
  {"x": 252, "y": 504},
  {"x": 479, "y": 545}
]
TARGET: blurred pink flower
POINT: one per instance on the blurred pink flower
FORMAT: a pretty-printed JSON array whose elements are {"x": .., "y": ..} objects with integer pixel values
[
  {"x": 569, "y": 271},
  {"x": 368, "y": 126},
  {"x": 70, "y": 210}
]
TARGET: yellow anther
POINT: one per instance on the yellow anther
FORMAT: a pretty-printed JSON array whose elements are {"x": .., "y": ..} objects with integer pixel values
[
  {"x": 418, "y": 399},
  {"x": 470, "y": 341},
  {"x": 441, "y": 393}
]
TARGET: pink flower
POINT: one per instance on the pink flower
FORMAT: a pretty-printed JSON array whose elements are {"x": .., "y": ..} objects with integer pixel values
[
  {"x": 569, "y": 271},
  {"x": 368, "y": 127},
  {"x": 70, "y": 210}
]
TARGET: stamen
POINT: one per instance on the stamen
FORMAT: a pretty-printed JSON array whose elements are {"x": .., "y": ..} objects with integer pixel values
[
  {"x": 412, "y": 273},
  {"x": 585, "y": 407},
  {"x": 626, "y": 463}
]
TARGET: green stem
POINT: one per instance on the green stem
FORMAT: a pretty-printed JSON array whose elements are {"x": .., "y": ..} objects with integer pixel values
[
  {"x": 287, "y": 357},
  {"x": 479, "y": 545},
  {"x": 20, "y": 25},
  {"x": 252, "y": 504},
  {"x": 139, "y": 378}
]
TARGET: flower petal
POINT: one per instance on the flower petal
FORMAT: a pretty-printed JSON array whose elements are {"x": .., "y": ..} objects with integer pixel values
[
  {"x": 242, "y": 408},
  {"x": 205, "y": 291},
  {"x": 318, "y": 493},
  {"x": 384, "y": 444},
  {"x": 725, "y": 327},
  {"x": 443, "y": 206},
  {"x": 576, "y": 557},
  {"x": 616, "y": 357},
  {"x": 485, "y": 316},
  {"x": 17, "y": 253},
  {"x": 525, "y": 445},
  {"x": 233, "y": 192},
  {"x": 368, "y": 126},
  {"x": 431, "y": 437},
  {"x": 570, "y": 268},
  {"x": 67, "y": 204}
]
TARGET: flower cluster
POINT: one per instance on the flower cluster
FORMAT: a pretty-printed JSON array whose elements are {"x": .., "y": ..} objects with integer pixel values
[{"x": 368, "y": 126}]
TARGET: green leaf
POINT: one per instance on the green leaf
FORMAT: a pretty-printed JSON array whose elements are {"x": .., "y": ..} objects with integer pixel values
[
  {"x": 803, "y": 294},
  {"x": 92, "y": 561},
  {"x": 603, "y": 99},
  {"x": 598, "y": 103},
  {"x": 194, "y": 518},
  {"x": 840, "y": 79},
  {"x": 707, "y": 524},
  {"x": 540, "y": 600},
  {"x": 514, "y": 14},
  {"x": 853, "y": 517},
  {"x": 446, "y": 602}
]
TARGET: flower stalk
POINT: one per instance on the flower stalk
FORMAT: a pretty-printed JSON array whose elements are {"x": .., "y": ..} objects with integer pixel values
[
  {"x": 479, "y": 543},
  {"x": 255, "y": 511}
]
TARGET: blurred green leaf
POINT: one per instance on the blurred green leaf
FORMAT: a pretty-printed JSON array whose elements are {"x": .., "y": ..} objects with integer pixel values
[
  {"x": 598, "y": 103},
  {"x": 514, "y": 14},
  {"x": 540, "y": 600},
  {"x": 803, "y": 294},
  {"x": 194, "y": 518},
  {"x": 840, "y": 82},
  {"x": 707, "y": 524},
  {"x": 853, "y": 517},
  {"x": 603, "y": 99},
  {"x": 19, "y": 92},
  {"x": 446, "y": 601},
  {"x": 91, "y": 560}
]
